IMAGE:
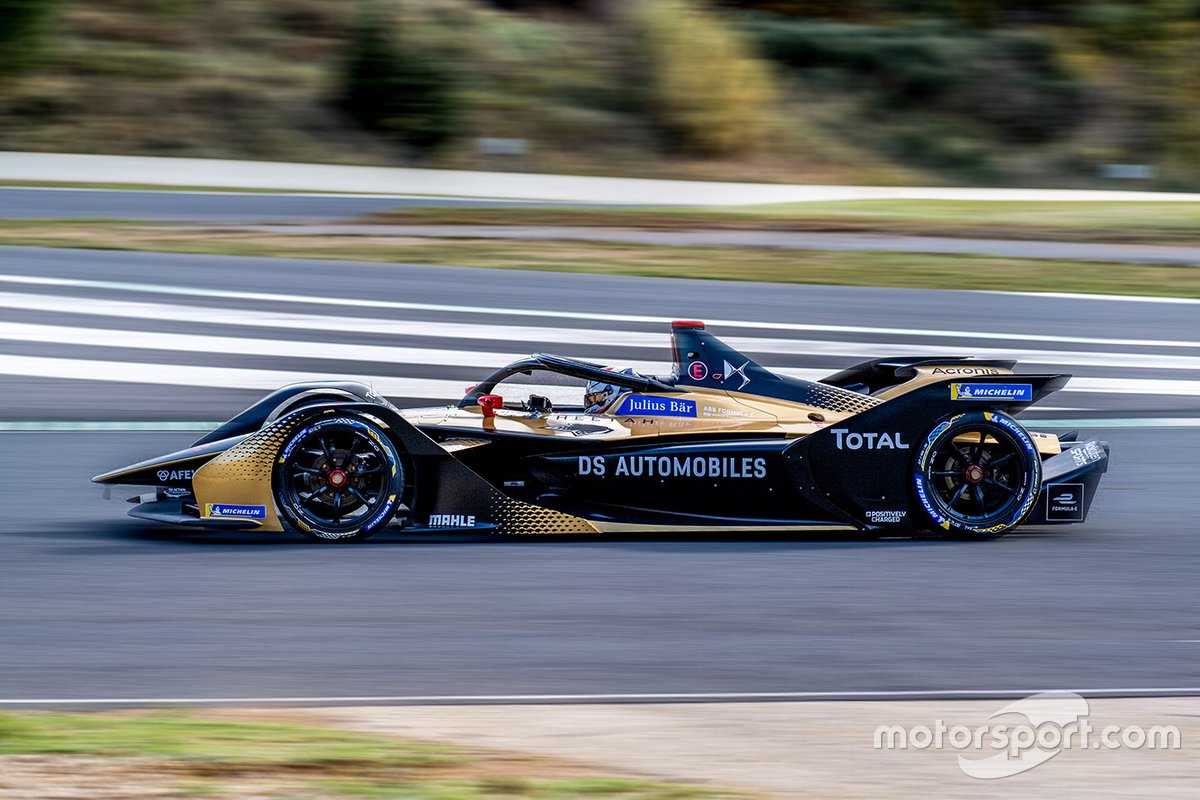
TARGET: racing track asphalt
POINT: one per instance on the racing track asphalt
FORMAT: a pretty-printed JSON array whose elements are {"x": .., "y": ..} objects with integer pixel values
[
  {"x": 95, "y": 605},
  {"x": 184, "y": 206}
]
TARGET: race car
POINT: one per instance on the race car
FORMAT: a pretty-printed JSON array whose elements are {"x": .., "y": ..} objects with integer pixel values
[{"x": 557, "y": 445}]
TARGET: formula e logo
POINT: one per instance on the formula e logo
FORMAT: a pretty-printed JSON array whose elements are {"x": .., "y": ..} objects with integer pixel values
[
  {"x": 244, "y": 512},
  {"x": 731, "y": 370},
  {"x": 698, "y": 370},
  {"x": 1018, "y": 392},
  {"x": 165, "y": 475},
  {"x": 1064, "y": 502},
  {"x": 867, "y": 441},
  {"x": 452, "y": 520}
]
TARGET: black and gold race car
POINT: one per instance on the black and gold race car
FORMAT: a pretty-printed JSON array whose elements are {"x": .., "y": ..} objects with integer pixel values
[{"x": 720, "y": 444}]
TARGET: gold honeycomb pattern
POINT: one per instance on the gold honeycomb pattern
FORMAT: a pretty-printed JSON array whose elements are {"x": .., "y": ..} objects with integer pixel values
[
  {"x": 843, "y": 401},
  {"x": 516, "y": 517},
  {"x": 242, "y": 474}
]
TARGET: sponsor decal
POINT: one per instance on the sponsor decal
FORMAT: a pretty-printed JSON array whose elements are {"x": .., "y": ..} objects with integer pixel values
[
  {"x": 1064, "y": 502},
  {"x": 452, "y": 520},
  {"x": 965, "y": 371},
  {"x": 176, "y": 493},
  {"x": 243, "y": 512},
  {"x": 698, "y": 370},
  {"x": 673, "y": 466},
  {"x": 640, "y": 405},
  {"x": 847, "y": 440},
  {"x": 579, "y": 429},
  {"x": 165, "y": 475},
  {"x": 1086, "y": 454},
  {"x": 886, "y": 516},
  {"x": 725, "y": 413},
  {"x": 731, "y": 370},
  {"x": 1018, "y": 392}
]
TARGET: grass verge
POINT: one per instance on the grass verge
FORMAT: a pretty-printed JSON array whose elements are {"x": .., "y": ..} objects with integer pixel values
[
  {"x": 177, "y": 754},
  {"x": 1149, "y": 223},
  {"x": 904, "y": 270}
]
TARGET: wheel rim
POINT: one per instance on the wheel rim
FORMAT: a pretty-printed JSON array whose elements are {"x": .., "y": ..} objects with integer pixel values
[
  {"x": 336, "y": 477},
  {"x": 977, "y": 476}
]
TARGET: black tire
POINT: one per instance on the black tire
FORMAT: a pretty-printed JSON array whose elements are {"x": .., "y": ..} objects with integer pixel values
[
  {"x": 982, "y": 485},
  {"x": 338, "y": 478}
]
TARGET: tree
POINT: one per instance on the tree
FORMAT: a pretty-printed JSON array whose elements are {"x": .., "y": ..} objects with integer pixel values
[
  {"x": 398, "y": 87},
  {"x": 22, "y": 33},
  {"x": 704, "y": 84}
]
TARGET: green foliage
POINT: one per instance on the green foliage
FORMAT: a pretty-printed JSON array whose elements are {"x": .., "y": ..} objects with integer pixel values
[
  {"x": 304, "y": 761},
  {"x": 1010, "y": 81},
  {"x": 398, "y": 86},
  {"x": 22, "y": 33},
  {"x": 178, "y": 736},
  {"x": 704, "y": 85}
]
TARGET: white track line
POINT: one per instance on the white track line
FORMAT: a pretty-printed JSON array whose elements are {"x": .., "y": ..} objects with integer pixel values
[
  {"x": 444, "y": 391},
  {"x": 275, "y": 297},
  {"x": 187, "y": 343},
  {"x": 666, "y": 697},
  {"x": 391, "y": 386},
  {"x": 1117, "y": 298}
]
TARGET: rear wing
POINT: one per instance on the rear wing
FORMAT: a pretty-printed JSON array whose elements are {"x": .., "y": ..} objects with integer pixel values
[{"x": 870, "y": 377}]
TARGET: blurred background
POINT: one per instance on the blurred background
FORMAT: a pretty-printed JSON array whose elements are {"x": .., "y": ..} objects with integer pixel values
[
  {"x": 1055, "y": 92},
  {"x": 900, "y": 163}
]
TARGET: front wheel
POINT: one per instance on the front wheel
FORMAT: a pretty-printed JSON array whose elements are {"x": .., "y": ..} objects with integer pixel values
[
  {"x": 338, "y": 479},
  {"x": 977, "y": 474}
]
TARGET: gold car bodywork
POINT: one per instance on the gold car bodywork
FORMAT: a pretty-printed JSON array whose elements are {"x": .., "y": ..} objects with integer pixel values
[{"x": 243, "y": 474}]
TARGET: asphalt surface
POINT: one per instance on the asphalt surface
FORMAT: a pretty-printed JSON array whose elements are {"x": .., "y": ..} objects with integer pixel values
[
  {"x": 95, "y": 605},
  {"x": 98, "y": 606},
  {"x": 181, "y": 206}
]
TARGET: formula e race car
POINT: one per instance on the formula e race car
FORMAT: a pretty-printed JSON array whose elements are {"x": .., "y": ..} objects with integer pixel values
[{"x": 720, "y": 444}]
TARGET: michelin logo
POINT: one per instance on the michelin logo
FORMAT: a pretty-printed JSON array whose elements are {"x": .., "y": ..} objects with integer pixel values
[
  {"x": 1016, "y": 392},
  {"x": 237, "y": 512}
]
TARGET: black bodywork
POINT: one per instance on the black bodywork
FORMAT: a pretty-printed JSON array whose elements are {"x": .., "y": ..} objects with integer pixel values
[{"x": 512, "y": 482}]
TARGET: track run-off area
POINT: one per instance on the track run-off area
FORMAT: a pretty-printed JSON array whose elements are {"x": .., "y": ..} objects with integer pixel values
[{"x": 109, "y": 357}]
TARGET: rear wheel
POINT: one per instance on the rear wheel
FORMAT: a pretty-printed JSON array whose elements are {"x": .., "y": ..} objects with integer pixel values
[
  {"x": 978, "y": 474},
  {"x": 338, "y": 479}
]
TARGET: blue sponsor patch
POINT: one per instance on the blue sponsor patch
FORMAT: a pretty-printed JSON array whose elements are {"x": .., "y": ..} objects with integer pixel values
[
  {"x": 1013, "y": 392},
  {"x": 638, "y": 405},
  {"x": 241, "y": 512}
]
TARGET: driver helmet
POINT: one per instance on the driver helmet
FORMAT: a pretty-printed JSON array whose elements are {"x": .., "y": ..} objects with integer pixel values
[{"x": 599, "y": 396}]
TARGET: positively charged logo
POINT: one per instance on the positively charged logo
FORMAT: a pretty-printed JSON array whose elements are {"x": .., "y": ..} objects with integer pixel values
[{"x": 1013, "y": 392}]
